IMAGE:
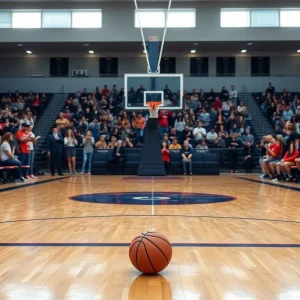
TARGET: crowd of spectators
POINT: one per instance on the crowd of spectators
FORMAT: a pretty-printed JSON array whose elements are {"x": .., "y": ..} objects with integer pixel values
[
  {"x": 18, "y": 114},
  {"x": 208, "y": 120},
  {"x": 280, "y": 153}
]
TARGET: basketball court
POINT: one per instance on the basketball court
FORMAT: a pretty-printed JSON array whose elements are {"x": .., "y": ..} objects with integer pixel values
[{"x": 233, "y": 237}]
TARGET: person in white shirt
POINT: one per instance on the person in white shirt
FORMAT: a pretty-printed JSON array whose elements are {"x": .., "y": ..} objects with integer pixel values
[
  {"x": 233, "y": 94},
  {"x": 211, "y": 136},
  {"x": 70, "y": 143},
  {"x": 31, "y": 156},
  {"x": 199, "y": 133}
]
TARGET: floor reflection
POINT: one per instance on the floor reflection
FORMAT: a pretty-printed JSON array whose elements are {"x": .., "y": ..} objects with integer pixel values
[{"x": 151, "y": 288}]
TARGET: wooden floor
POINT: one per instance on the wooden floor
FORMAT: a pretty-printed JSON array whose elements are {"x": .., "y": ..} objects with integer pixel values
[{"x": 55, "y": 248}]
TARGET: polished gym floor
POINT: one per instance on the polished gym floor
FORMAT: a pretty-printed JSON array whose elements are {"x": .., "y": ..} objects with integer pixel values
[{"x": 233, "y": 236}]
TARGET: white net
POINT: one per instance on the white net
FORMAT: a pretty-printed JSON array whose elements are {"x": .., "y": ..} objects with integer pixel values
[{"x": 153, "y": 111}]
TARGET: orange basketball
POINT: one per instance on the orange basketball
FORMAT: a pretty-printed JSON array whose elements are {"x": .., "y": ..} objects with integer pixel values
[{"x": 150, "y": 252}]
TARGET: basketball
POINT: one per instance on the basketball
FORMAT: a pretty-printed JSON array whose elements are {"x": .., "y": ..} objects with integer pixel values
[{"x": 150, "y": 252}]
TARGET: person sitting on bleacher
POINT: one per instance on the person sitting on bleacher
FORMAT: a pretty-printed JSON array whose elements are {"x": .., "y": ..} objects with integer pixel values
[
  {"x": 284, "y": 166},
  {"x": 174, "y": 144},
  {"x": 7, "y": 156}
]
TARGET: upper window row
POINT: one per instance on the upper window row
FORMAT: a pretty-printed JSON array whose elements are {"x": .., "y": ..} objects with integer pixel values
[
  {"x": 260, "y": 17},
  {"x": 158, "y": 18},
  {"x": 51, "y": 19}
]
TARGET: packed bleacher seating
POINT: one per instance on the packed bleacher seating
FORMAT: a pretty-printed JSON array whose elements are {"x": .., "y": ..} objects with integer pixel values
[
  {"x": 280, "y": 154},
  {"x": 209, "y": 120},
  {"x": 18, "y": 114}
]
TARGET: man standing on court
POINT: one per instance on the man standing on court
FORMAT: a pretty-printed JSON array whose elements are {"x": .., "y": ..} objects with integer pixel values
[
  {"x": 55, "y": 147},
  {"x": 24, "y": 140},
  {"x": 163, "y": 122}
]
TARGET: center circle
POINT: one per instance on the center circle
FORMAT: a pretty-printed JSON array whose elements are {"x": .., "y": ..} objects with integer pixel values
[{"x": 150, "y": 198}]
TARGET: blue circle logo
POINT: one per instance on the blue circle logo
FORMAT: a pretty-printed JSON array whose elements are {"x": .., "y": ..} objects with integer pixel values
[{"x": 152, "y": 198}]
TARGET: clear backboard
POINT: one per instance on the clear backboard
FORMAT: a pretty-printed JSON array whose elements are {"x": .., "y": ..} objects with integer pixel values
[{"x": 142, "y": 88}]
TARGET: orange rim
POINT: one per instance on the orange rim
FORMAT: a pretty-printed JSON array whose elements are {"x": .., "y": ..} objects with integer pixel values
[{"x": 153, "y": 105}]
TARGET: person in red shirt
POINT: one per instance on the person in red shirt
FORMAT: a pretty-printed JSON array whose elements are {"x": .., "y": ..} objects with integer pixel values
[
  {"x": 36, "y": 103},
  {"x": 217, "y": 104},
  {"x": 24, "y": 139},
  {"x": 105, "y": 90},
  {"x": 165, "y": 153},
  {"x": 273, "y": 151},
  {"x": 288, "y": 161},
  {"x": 163, "y": 122}
]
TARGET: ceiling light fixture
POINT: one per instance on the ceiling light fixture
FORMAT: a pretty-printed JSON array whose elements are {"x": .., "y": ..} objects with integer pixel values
[
  {"x": 28, "y": 52},
  {"x": 196, "y": 44},
  {"x": 91, "y": 52},
  {"x": 20, "y": 45},
  {"x": 244, "y": 51},
  {"x": 193, "y": 51},
  {"x": 298, "y": 51},
  {"x": 250, "y": 44},
  {"x": 86, "y": 45}
]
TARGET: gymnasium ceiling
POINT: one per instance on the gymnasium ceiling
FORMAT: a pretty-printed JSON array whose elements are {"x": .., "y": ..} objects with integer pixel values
[
  {"x": 183, "y": 48},
  {"x": 49, "y": 1}
]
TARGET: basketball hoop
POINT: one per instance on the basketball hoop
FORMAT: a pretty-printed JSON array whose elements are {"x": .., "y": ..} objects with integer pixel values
[{"x": 153, "y": 109}]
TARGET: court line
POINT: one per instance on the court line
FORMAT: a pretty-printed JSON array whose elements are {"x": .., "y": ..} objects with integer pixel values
[
  {"x": 194, "y": 245},
  {"x": 29, "y": 184},
  {"x": 134, "y": 216},
  {"x": 293, "y": 188}
]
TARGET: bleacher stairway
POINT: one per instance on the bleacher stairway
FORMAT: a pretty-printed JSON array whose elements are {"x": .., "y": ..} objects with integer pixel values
[
  {"x": 43, "y": 127},
  {"x": 260, "y": 123}
]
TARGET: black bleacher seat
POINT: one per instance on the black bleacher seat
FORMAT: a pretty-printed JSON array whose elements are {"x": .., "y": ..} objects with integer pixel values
[{"x": 204, "y": 163}]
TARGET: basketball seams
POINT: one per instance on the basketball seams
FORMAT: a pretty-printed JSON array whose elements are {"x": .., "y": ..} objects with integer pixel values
[
  {"x": 131, "y": 246},
  {"x": 159, "y": 238},
  {"x": 158, "y": 249},
  {"x": 149, "y": 257}
]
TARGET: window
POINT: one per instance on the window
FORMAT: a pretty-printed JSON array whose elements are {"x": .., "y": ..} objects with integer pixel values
[
  {"x": 182, "y": 18},
  {"x": 150, "y": 18},
  {"x": 264, "y": 18},
  {"x": 87, "y": 19},
  {"x": 290, "y": 18},
  {"x": 26, "y": 19},
  {"x": 56, "y": 19},
  {"x": 5, "y": 19},
  {"x": 235, "y": 18}
]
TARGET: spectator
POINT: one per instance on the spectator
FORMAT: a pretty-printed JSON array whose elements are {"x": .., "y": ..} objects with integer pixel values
[
  {"x": 217, "y": 104},
  {"x": 31, "y": 156},
  {"x": 165, "y": 153},
  {"x": 7, "y": 157},
  {"x": 70, "y": 144},
  {"x": 233, "y": 146},
  {"x": 248, "y": 156},
  {"x": 61, "y": 121},
  {"x": 118, "y": 157},
  {"x": 105, "y": 90},
  {"x": 287, "y": 114},
  {"x": 202, "y": 146},
  {"x": 284, "y": 166},
  {"x": 186, "y": 154},
  {"x": 88, "y": 143},
  {"x": 204, "y": 118},
  {"x": 23, "y": 139},
  {"x": 101, "y": 144},
  {"x": 139, "y": 125},
  {"x": 164, "y": 122},
  {"x": 174, "y": 145},
  {"x": 211, "y": 95},
  {"x": 186, "y": 134},
  {"x": 273, "y": 152},
  {"x": 199, "y": 133},
  {"x": 233, "y": 95},
  {"x": 55, "y": 145},
  {"x": 270, "y": 89},
  {"x": 179, "y": 125},
  {"x": 224, "y": 94},
  {"x": 211, "y": 136},
  {"x": 247, "y": 137}
]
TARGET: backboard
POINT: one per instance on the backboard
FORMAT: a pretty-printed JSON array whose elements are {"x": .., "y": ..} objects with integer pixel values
[{"x": 142, "y": 88}]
